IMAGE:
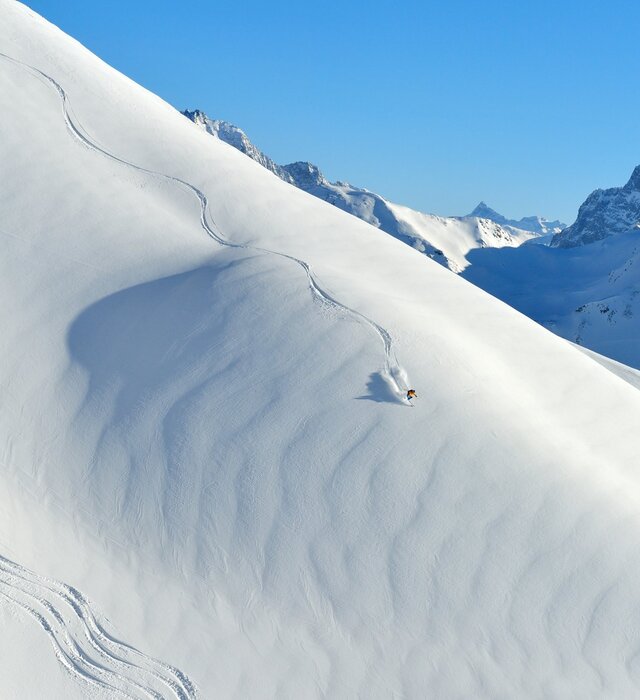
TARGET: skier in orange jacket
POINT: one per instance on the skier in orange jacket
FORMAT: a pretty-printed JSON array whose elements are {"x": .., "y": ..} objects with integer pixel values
[{"x": 411, "y": 394}]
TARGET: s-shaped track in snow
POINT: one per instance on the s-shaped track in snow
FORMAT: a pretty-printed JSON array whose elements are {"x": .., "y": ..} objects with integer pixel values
[
  {"x": 392, "y": 370},
  {"x": 80, "y": 643}
]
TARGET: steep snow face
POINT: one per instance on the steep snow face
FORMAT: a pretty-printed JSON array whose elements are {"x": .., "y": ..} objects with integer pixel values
[
  {"x": 201, "y": 431},
  {"x": 445, "y": 240},
  {"x": 604, "y": 213},
  {"x": 449, "y": 240},
  {"x": 535, "y": 224}
]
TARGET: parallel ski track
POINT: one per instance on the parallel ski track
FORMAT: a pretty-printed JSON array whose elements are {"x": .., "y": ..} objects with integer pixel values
[
  {"x": 83, "y": 646},
  {"x": 392, "y": 369}
]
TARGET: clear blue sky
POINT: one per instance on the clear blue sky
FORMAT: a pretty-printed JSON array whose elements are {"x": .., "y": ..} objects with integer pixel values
[{"x": 436, "y": 105}]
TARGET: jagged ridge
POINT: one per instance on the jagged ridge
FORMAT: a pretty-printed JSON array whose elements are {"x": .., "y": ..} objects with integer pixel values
[
  {"x": 535, "y": 224},
  {"x": 604, "y": 213},
  {"x": 444, "y": 239}
]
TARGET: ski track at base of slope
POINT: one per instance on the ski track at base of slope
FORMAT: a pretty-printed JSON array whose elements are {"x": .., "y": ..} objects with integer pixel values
[
  {"x": 82, "y": 645},
  {"x": 395, "y": 376},
  {"x": 73, "y": 666}
]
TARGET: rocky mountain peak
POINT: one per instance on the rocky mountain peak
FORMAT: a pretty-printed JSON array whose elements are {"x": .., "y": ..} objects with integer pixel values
[
  {"x": 634, "y": 181},
  {"x": 305, "y": 174},
  {"x": 603, "y": 214},
  {"x": 535, "y": 224},
  {"x": 235, "y": 136},
  {"x": 484, "y": 211}
]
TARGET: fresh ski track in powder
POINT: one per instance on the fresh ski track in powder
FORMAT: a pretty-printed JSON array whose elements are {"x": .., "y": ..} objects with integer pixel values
[
  {"x": 393, "y": 372},
  {"x": 35, "y": 594},
  {"x": 191, "y": 442}
]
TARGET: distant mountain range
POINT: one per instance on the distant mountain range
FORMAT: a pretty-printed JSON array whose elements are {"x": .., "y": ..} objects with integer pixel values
[
  {"x": 535, "y": 224},
  {"x": 445, "y": 239},
  {"x": 585, "y": 286},
  {"x": 590, "y": 296}
]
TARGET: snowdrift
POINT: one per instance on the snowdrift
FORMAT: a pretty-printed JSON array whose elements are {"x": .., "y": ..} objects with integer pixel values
[{"x": 210, "y": 486}]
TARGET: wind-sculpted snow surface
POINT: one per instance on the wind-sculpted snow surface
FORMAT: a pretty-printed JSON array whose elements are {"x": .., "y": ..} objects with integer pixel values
[
  {"x": 83, "y": 646},
  {"x": 202, "y": 437}
]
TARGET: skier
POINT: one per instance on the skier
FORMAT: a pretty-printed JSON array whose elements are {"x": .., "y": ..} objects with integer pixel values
[{"x": 411, "y": 394}]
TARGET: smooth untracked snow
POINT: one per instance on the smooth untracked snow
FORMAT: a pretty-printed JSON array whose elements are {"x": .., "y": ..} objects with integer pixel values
[{"x": 195, "y": 439}]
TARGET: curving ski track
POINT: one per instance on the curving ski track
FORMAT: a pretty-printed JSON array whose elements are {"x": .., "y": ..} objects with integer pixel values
[
  {"x": 80, "y": 643},
  {"x": 83, "y": 646},
  {"x": 392, "y": 369}
]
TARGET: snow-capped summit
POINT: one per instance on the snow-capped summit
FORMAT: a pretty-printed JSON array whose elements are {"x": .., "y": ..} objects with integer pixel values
[
  {"x": 603, "y": 214},
  {"x": 484, "y": 211},
  {"x": 535, "y": 224}
]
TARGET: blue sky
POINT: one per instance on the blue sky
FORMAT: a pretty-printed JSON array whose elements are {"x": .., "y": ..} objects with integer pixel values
[{"x": 436, "y": 105}]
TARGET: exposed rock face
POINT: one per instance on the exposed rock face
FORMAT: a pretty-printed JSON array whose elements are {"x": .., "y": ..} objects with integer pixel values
[
  {"x": 604, "y": 213},
  {"x": 234, "y": 136}
]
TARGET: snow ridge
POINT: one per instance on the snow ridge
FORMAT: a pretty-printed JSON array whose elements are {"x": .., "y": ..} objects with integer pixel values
[
  {"x": 81, "y": 643},
  {"x": 395, "y": 376}
]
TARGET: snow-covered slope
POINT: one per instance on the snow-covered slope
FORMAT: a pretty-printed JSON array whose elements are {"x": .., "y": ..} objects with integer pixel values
[
  {"x": 535, "y": 224},
  {"x": 604, "y": 213},
  {"x": 203, "y": 449},
  {"x": 446, "y": 240},
  {"x": 623, "y": 371},
  {"x": 453, "y": 238}
]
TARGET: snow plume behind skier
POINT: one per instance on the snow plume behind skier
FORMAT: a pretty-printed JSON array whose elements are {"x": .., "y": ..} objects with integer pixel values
[{"x": 398, "y": 383}]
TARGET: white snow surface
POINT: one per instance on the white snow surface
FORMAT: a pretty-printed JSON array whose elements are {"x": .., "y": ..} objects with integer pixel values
[
  {"x": 203, "y": 451},
  {"x": 453, "y": 238}
]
